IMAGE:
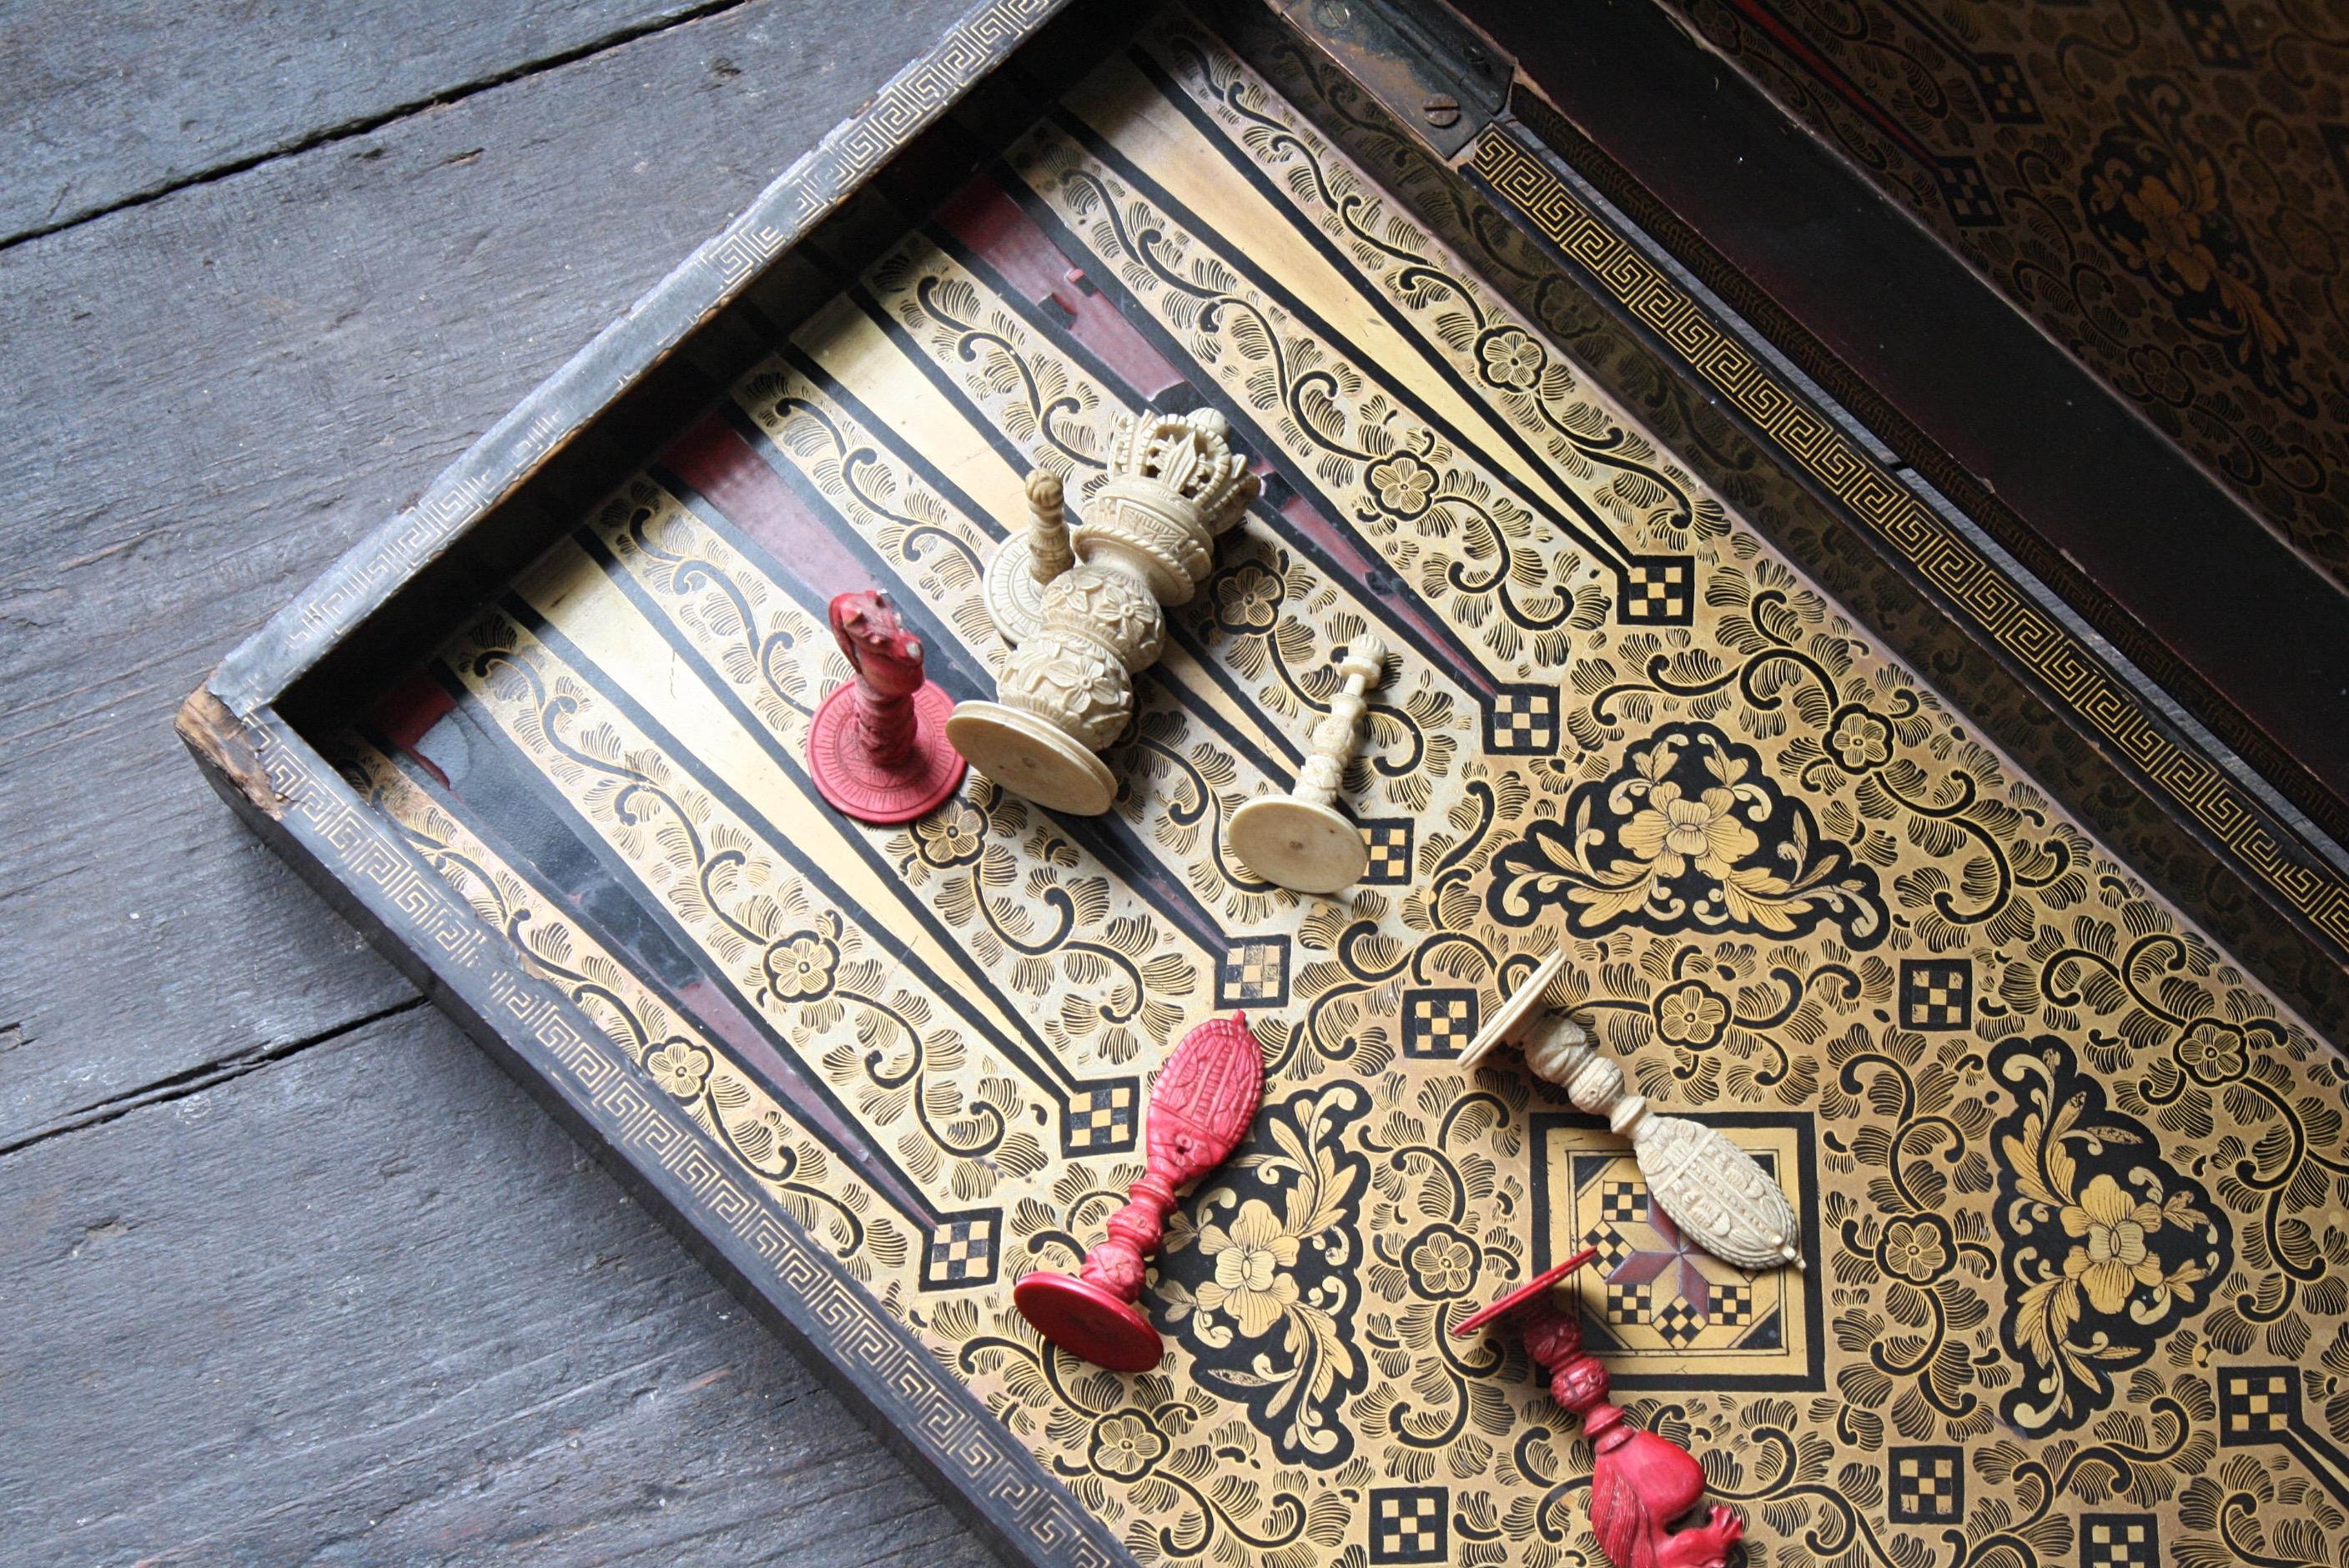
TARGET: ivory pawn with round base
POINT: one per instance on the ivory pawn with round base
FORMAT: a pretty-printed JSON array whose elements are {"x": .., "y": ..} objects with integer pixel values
[
  {"x": 1715, "y": 1193},
  {"x": 1301, "y": 841}
]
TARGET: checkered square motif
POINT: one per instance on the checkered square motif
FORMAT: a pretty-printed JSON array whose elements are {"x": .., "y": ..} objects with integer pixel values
[
  {"x": 1612, "y": 1247},
  {"x": 2257, "y": 1404},
  {"x": 1623, "y": 1204},
  {"x": 2119, "y": 1540},
  {"x": 1389, "y": 842},
  {"x": 1627, "y": 1301},
  {"x": 1522, "y": 721},
  {"x": 1254, "y": 973},
  {"x": 1438, "y": 1021},
  {"x": 1658, "y": 591},
  {"x": 1411, "y": 1523},
  {"x": 2210, "y": 33},
  {"x": 2005, "y": 91},
  {"x": 1102, "y": 1118},
  {"x": 1680, "y": 1322},
  {"x": 962, "y": 1250},
  {"x": 1937, "y": 993},
  {"x": 1965, "y": 192},
  {"x": 1729, "y": 1305},
  {"x": 1929, "y": 1484}
]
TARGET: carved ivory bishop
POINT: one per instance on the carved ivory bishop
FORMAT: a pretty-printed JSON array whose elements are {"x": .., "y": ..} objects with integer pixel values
[
  {"x": 1715, "y": 1193},
  {"x": 1174, "y": 485}
]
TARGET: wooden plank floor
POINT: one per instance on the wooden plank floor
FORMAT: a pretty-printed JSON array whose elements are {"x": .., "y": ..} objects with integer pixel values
[{"x": 290, "y": 1273}]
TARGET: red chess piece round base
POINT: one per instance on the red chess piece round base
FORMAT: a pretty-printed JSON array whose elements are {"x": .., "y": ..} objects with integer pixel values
[
  {"x": 1087, "y": 1320},
  {"x": 846, "y": 774}
]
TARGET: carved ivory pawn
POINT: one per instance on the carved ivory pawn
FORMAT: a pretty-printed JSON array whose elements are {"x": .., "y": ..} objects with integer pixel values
[
  {"x": 1301, "y": 841},
  {"x": 1715, "y": 1193},
  {"x": 1174, "y": 484}
]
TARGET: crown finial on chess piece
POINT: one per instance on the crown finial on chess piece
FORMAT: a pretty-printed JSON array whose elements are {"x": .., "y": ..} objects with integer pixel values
[
  {"x": 1199, "y": 1109},
  {"x": 1174, "y": 485},
  {"x": 1640, "y": 1482},
  {"x": 1301, "y": 841},
  {"x": 876, "y": 747},
  {"x": 1715, "y": 1193}
]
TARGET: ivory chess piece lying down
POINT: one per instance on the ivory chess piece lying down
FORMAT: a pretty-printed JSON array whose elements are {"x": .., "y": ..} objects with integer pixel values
[
  {"x": 1174, "y": 485},
  {"x": 878, "y": 746},
  {"x": 1199, "y": 1109},
  {"x": 1301, "y": 841},
  {"x": 1715, "y": 1193},
  {"x": 1640, "y": 1482}
]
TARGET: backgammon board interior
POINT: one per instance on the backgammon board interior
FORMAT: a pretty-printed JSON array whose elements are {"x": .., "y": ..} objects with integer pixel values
[{"x": 2070, "y": 1172}]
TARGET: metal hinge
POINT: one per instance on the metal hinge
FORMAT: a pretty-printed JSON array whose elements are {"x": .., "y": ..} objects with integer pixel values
[{"x": 1432, "y": 70}]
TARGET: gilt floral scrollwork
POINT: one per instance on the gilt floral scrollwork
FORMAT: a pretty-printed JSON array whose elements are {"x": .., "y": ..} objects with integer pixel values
[
  {"x": 1258, "y": 1278},
  {"x": 1690, "y": 835},
  {"x": 2105, "y": 1246}
]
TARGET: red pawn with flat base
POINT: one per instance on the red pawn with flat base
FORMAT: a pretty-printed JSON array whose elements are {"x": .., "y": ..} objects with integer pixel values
[
  {"x": 877, "y": 745},
  {"x": 1639, "y": 1483},
  {"x": 1199, "y": 1110}
]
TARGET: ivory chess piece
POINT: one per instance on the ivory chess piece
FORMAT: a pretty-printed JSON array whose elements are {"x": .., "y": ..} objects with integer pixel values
[
  {"x": 1199, "y": 1110},
  {"x": 1174, "y": 485},
  {"x": 1640, "y": 1482},
  {"x": 1715, "y": 1193},
  {"x": 878, "y": 746},
  {"x": 1301, "y": 839}
]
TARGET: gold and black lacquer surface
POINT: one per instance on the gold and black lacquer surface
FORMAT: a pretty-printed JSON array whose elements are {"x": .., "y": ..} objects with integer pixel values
[{"x": 2071, "y": 1172}]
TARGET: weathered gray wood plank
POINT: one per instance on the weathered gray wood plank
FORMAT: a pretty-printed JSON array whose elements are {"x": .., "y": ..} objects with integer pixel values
[
  {"x": 113, "y": 100},
  {"x": 212, "y": 395},
  {"x": 369, "y": 1304}
]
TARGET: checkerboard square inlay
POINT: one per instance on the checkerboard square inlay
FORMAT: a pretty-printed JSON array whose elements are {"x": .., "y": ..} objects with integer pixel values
[
  {"x": 2257, "y": 1404},
  {"x": 1929, "y": 1484},
  {"x": 2120, "y": 1541},
  {"x": 1965, "y": 192},
  {"x": 1522, "y": 721},
  {"x": 1411, "y": 1523},
  {"x": 1937, "y": 993},
  {"x": 1254, "y": 973},
  {"x": 1438, "y": 1020},
  {"x": 1658, "y": 591},
  {"x": 962, "y": 1250},
  {"x": 1102, "y": 1118},
  {"x": 1388, "y": 840}
]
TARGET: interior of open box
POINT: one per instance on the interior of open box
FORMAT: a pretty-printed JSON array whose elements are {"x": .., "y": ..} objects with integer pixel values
[{"x": 2061, "y": 1158}]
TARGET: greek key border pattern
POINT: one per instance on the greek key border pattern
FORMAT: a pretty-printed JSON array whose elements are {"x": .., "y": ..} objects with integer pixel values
[
  {"x": 935, "y": 1414},
  {"x": 1889, "y": 509}
]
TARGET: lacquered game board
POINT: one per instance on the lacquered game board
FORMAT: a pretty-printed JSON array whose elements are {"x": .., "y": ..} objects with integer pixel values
[{"x": 2069, "y": 1174}]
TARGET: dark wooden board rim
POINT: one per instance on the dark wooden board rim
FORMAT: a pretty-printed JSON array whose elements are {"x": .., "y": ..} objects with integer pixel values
[
  {"x": 297, "y": 801},
  {"x": 1953, "y": 417},
  {"x": 620, "y": 356}
]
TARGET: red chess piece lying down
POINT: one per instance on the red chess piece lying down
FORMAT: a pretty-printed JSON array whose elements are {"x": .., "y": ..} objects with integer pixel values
[
  {"x": 1199, "y": 1109},
  {"x": 1640, "y": 1482}
]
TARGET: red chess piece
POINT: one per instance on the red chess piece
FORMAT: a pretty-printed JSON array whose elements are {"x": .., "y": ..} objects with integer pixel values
[
  {"x": 1639, "y": 1483},
  {"x": 877, "y": 745},
  {"x": 1198, "y": 1112}
]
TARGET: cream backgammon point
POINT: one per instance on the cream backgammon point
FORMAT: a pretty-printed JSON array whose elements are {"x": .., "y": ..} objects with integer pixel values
[
  {"x": 1083, "y": 605},
  {"x": 1301, "y": 839},
  {"x": 1715, "y": 1193}
]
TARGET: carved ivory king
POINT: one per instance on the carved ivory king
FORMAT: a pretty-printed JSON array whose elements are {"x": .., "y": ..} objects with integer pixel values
[
  {"x": 1715, "y": 1193},
  {"x": 1174, "y": 486}
]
